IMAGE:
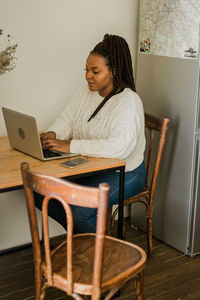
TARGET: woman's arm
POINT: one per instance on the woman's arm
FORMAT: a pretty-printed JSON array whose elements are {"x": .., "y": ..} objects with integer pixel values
[{"x": 62, "y": 126}]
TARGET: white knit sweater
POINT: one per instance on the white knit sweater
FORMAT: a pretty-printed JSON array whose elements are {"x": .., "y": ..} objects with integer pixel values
[{"x": 116, "y": 131}]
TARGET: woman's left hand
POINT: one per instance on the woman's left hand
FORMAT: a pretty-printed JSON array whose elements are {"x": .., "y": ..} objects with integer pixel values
[{"x": 57, "y": 145}]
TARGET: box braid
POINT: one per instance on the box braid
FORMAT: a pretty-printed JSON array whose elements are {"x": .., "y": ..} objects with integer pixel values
[{"x": 116, "y": 52}]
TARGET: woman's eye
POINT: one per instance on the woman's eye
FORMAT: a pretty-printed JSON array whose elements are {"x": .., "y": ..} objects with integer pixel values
[{"x": 94, "y": 72}]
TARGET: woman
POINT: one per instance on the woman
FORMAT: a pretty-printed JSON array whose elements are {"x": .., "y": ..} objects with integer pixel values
[{"x": 105, "y": 119}]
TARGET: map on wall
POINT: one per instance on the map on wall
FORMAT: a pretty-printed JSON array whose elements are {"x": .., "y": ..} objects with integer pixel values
[{"x": 170, "y": 27}]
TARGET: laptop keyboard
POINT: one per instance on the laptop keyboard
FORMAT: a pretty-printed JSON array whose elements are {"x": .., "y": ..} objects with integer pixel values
[{"x": 48, "y": 153}]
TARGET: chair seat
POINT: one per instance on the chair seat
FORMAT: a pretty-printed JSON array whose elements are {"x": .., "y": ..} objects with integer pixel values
[{"x": 121, "y": 262}]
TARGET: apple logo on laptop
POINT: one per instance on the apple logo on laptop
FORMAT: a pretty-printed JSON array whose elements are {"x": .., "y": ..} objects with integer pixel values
[{"x": 21, "y": 133}]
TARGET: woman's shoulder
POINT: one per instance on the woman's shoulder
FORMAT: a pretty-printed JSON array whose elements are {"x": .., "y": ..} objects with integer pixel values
[
  {"x": 130, "y": 96},
  {"x": 130, "y": 93}
]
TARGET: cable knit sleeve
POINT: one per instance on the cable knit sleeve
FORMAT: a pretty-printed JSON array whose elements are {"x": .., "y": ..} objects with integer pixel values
[{"x": 63, "y": 125}]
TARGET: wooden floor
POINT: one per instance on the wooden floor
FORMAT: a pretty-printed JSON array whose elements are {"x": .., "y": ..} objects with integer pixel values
[{"x": 169, "y": 275}]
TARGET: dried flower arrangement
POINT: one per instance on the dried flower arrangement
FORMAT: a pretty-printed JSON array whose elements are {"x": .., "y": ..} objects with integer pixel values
[{"x": 7, "y": 56}]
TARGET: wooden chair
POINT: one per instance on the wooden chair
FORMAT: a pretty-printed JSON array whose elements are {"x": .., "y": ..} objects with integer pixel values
[
  {"x": 154, "y": 154},
  {"x": 83, "y": 264}
]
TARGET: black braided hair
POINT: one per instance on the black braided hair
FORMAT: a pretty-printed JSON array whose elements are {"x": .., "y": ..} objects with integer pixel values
[{"x": 118, "y": 57}]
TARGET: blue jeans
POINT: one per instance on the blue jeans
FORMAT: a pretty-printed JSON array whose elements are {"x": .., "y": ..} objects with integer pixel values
[{"x": 85, "y": 218}]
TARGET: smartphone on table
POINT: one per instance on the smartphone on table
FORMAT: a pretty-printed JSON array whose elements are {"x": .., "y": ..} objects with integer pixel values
[{"x": 74, "y": 162}]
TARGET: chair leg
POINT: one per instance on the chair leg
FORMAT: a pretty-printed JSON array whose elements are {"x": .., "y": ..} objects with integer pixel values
[
  {"x": 112, "y": 222},
  {"x": 109, "y": 221},
  {"x": 79, "y": 297},
  {"x": 39, "y": 289},
  {"x": 149, "y": 234},
  {"x": 43, "y": 291},
  {"x": 96, "y": 296},
  {"x": 140, "y": 286},
  {"x": 38, "y": 282}
]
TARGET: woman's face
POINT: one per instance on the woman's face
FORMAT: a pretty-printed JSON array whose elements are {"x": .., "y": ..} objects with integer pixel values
[{"x": 98, "y": 75}]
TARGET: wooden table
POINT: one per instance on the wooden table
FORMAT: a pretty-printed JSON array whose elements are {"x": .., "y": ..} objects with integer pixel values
[{"x": 10, "y": 174}]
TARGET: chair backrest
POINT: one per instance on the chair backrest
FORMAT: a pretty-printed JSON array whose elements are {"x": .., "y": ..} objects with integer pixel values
[
  {"x": 67, "y": 194},
  {"x": 154, "y": 124}
]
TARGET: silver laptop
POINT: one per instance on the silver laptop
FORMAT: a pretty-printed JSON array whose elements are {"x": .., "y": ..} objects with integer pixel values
[{"x": 23, "y": 136}]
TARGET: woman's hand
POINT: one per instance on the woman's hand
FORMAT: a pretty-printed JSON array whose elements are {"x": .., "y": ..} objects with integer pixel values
[
  {"x": 56, "y": 145},
  {"x": 47, "y": 135},
  {"x": 49, "y": 141}
]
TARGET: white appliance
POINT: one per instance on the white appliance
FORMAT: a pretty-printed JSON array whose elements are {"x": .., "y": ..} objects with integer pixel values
[{"x": 170, "y": 87}]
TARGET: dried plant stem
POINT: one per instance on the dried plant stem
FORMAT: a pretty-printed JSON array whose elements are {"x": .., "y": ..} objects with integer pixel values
[{"x": 7, "y": 59}]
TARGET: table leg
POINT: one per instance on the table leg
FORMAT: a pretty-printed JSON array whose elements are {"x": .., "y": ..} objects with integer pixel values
[{"x": 121, "y": 203}]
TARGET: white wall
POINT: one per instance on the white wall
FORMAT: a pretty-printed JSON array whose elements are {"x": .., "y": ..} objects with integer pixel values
[{"x": 54, "y": 38}]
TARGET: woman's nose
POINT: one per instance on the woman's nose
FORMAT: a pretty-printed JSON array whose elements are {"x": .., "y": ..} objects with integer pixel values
[{"x": 88, "y": 75}]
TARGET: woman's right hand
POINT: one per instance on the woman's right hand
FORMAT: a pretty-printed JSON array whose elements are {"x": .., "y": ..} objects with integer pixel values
[{"x": 47, "y": 135}]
